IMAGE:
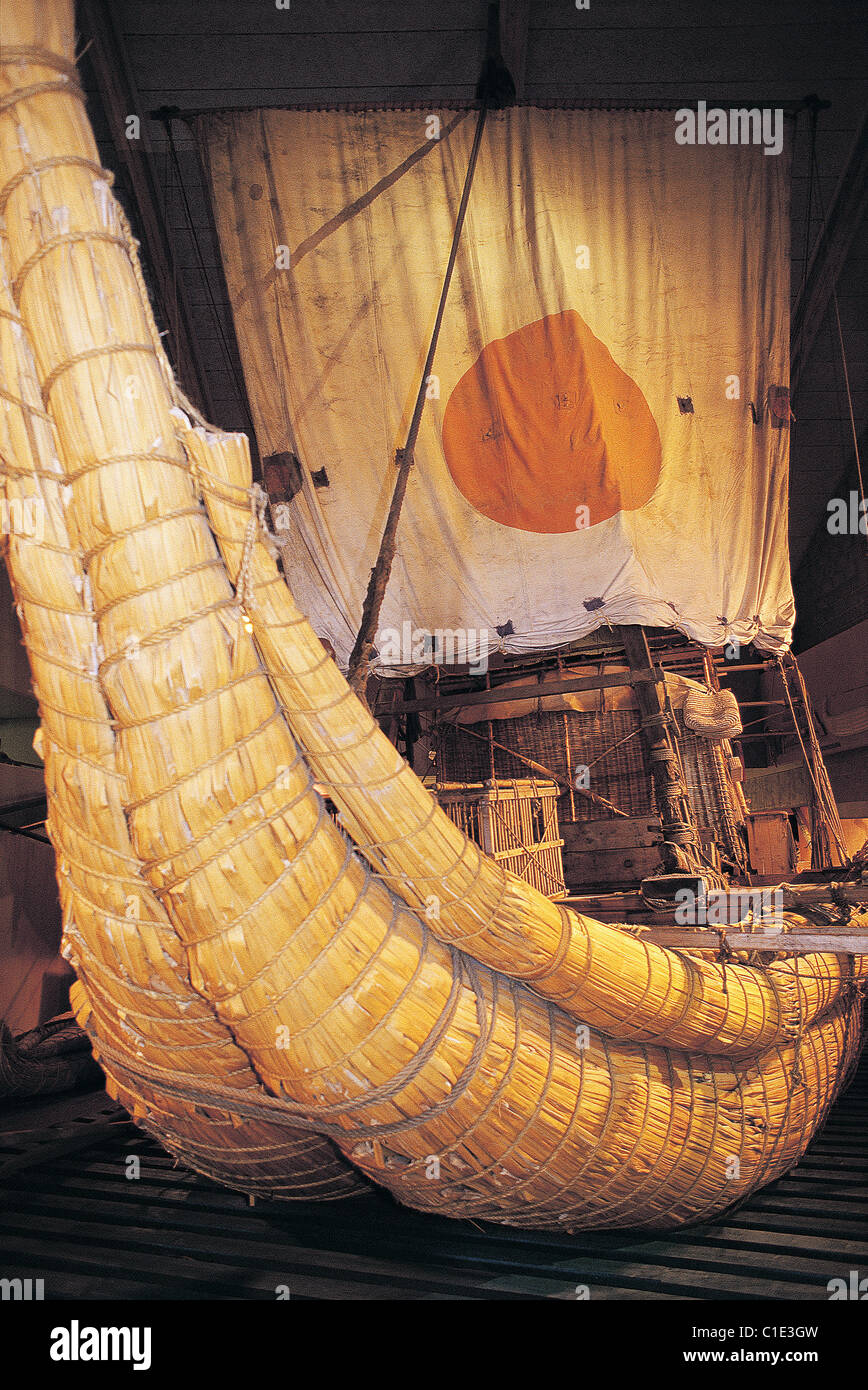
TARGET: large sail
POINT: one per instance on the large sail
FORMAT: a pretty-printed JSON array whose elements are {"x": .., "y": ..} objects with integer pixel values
[{"x": 603, "y": 436}]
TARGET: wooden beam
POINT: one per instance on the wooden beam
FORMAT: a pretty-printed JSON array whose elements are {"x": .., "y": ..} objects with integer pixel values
[
  {"x": 679, "y": 850},
  {"x": 796, "y": 895},
  {"x": 68, "y": 1140},
  {"x": 841, "y": 941},
  {"x": 519, "y": 693},
  {"x": 120, "y": 99},
  {"x": 844, "y": 219}
]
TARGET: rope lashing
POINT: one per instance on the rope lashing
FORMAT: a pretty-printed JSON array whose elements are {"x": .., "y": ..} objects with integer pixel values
[
  {"x": 724, "y": 954},
  {"x": 245, "y": 587}
]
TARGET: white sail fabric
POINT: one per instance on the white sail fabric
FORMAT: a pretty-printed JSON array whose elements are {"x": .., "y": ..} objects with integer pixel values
[{"x": 605, "y": 271}]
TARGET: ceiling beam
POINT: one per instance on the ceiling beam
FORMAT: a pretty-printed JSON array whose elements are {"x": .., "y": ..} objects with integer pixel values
[
  {"x": 845, "y": 217},
  {"x": 120, "y": 99}
]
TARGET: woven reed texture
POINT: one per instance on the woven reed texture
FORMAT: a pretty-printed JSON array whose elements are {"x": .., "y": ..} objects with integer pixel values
[
  {"x": 621, "y": 984},
  {"x": 711, "y": 791},
  {"x": 608, "y": 741},
  {"x": 552, "y": 1210},
  {"x": 456, "y": 1088},
  {"x": 133, "y": 992},
  {"x": 713, "y": 713}
]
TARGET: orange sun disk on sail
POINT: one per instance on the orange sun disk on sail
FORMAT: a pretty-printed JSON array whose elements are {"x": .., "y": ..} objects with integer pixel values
[{"x": 546, "y": 422}]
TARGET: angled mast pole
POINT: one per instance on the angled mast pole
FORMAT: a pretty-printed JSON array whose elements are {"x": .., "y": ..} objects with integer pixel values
[{"x": 361, "y": 654}]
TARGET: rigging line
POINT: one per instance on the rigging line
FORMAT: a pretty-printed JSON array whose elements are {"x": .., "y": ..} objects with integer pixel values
[
  {"x": 811, "y": 167},
  {"x": 840, "y": 335},
  {"x": 827, "y": 812},
  {"x": 167, "y": 116},
  {"x": 830, "y": 805}
]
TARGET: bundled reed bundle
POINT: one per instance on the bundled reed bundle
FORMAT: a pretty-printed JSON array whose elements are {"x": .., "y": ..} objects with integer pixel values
[
  {"x": 451, "y": 1084},
  {"x": 133, "y": 993},
  {"x": 628, "y": 987}
]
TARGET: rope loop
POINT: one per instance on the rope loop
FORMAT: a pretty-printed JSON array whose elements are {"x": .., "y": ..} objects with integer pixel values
[{"x": 245, "y": 588}]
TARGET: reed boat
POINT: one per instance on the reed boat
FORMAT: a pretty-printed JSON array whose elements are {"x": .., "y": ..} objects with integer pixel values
[{"x": 268, "y": 991}]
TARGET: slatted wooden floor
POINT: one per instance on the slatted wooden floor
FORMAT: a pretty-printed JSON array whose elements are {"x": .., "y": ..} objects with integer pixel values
[{"x": 77, "y": 1221}]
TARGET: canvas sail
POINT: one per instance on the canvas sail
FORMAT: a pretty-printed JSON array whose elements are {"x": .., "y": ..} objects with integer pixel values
[{"x": 588, "y": 452}]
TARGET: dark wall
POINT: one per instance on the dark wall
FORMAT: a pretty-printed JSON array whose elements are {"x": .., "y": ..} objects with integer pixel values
[{"x": 831, "y": 583}]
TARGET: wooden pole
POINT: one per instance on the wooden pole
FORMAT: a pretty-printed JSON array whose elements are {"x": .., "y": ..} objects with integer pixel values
[
  {"x": 360, "y": 657},
  {"x": 680, "y": 848}
]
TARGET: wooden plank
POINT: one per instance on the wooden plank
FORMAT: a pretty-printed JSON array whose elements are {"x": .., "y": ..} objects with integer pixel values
[
  {"x": 610, "y": 903},
  {"x": 238, "y": 18},
  {"x": 244, "y": 1274},
  {"x": 822, "y": 1182},
  {"x": 288, "y": 1262},
  {"x": 826, "y": 1228},
  {"x": 772, "y": 15},
  {"x": 520, "y": 693},
  {"x": 751, "y": 1241},
  {"x": 609, "y": 866},
  {"x": 622, "y": 1293},
  {"x": 735, "y": 1281},
  {"x": 188, "y": 18},
  {"x": 474, "y": 1269},
  {"x": 641, "y": 90},
  {"x": 822, "y": 1208},
  {"x": 291, "y": 61},
  {"x": 812, "y": 893},
  {"x": 796, "y": 895},
  {"x": 203, "y": 96},
  {"x": 206, "y": 1278},
  {"x": 833, "y": 53},
  {"x": 837, "y": 1166},
  {"x": 80, "y": 1221},
  {"x": 298, "y": 61},
  {"x": 110, "y": 1282},
  {"x": 62, "y": 1140},
  {"x": 611, "y": 834},
  {"x": 304, "y": 1220},
  {"x": 763, "y": 939},
  {"x": 259, "y": 1264}
]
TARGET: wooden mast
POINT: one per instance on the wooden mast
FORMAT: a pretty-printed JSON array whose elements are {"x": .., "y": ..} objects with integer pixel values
[{"x": 680, "y": 849}]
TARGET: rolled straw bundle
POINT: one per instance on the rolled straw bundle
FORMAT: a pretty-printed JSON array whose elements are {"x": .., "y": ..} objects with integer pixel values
[
  {"x": 618, "y": 982},
  {"x": 133, "y": 993},
  {"x": 458, "y": 1089}
]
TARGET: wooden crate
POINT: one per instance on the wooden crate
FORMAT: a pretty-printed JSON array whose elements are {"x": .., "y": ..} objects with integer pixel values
[
  {"x": 772, "y": 847},
  {"x": 516, "y": 822},
  {"x": 610, "y": 851}
]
